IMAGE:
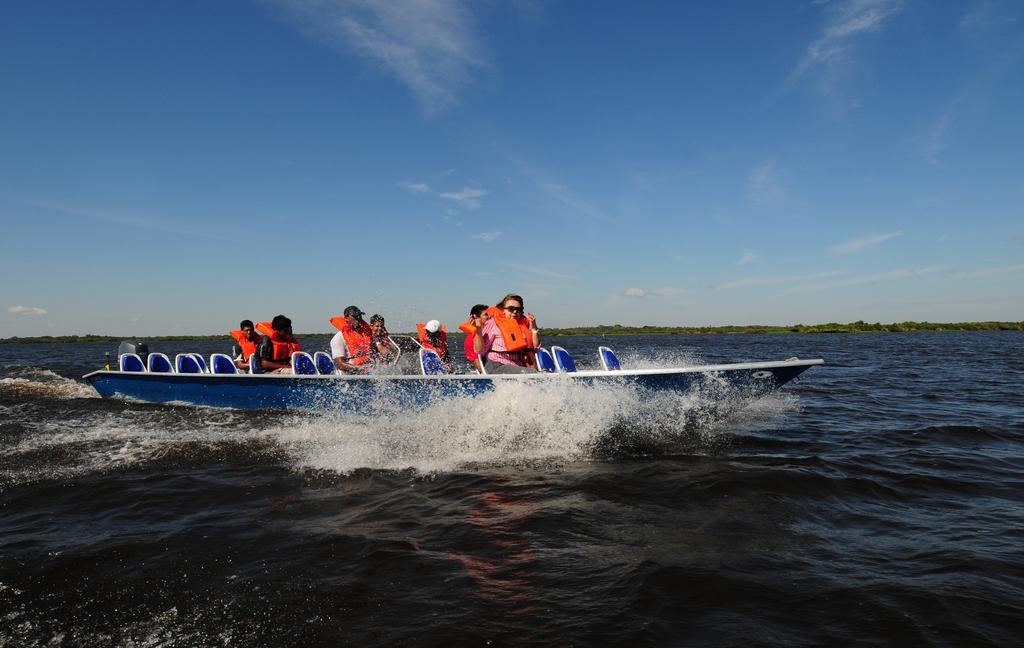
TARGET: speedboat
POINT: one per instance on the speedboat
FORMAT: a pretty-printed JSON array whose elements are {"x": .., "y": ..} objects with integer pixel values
[{"x": 314, "y": 384}]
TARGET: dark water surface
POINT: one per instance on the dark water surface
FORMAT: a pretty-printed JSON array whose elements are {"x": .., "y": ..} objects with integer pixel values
[{"x": 877, "y": 501}]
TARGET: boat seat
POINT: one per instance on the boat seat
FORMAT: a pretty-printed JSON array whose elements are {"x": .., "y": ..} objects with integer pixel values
[
  {"x": 160, "y": 363},
  {"x": 563, "y": 361},
  {"x": 544, "y": 361},
  {"x": 222, "y": 364},
  {"x": 130, "y": 362},
  {"x": 302, "y": 364},
  {"x": 430, "y": 363},
  {"x": 324, "y": 363},
  {"x": 609, "y": 360},
  {"x": 201, "y": 362},
  {"x": 254, "y": 364},
  {"x": 185, "y": 363}
]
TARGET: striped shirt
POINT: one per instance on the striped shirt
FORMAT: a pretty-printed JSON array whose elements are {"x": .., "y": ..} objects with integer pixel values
[{"x": 494, "y": 347}]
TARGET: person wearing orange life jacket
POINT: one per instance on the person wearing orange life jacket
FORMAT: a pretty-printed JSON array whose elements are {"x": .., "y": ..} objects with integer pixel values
[
  {"x": 352, "y": 345},
  {"x": 247, "y": 341},
  {"x": 434, "y": 337},
  {"x": 278, "y": 345},
  {"x": 478, "y": 316},
  {"x": 506, "y": 341},
  {"x": 385, "y": 351}
]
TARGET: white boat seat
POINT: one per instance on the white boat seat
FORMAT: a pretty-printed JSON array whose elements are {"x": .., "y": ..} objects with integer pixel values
[
  {"x": 185, "y": 363},
  {"x": 221, "y": 363},
  {"x": 130, "y": 362},
  {"x": 302, "y": 364},
  {"x": 544, "y": 361},
  {"x": 160, "y": 363},
  {"x": 324, "y": 363},
  {"x": 609, "y": 360},
  {"x": 563, "y": 361}
]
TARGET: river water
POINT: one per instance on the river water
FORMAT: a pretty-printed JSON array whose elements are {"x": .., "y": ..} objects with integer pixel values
[{"x": 879, "y": 500}]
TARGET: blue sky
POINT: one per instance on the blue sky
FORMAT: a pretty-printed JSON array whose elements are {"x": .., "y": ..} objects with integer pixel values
[{"x": 174, "y": 167}]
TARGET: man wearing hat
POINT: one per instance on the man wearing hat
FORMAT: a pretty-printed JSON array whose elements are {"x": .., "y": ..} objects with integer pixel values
[
  {"x": 434, "y": 336},
  {"x": 352, "y": 345}
]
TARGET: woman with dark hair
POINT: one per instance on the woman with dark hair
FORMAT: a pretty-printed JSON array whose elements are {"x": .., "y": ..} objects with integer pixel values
[{"x": 506, "y": 341}]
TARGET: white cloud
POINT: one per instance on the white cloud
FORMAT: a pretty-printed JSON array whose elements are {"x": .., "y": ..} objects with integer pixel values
[
  {"x": 748, "y": 256},
  {"x": 763, "y": 187},
  {"x": 415, "y": 187},
  {"x": 988, "y": 272},
  {"x": 563, "y": 195},
  {"x": 27, "y": 311},
  {"x": 667, "y": 291},
  {"x": 468, "y": 197},
  {"x": 875, "y": 278},
  {"x": 430, "y": 46},
  {"x": 852, "y": 247},
  {"x": 773, "y": 280},
  {"x": 487, "y": 236},
  {"x": 832, "y": 51},
  {"x": 540, "y": 271},
  {"x": 847, "y": 21}
]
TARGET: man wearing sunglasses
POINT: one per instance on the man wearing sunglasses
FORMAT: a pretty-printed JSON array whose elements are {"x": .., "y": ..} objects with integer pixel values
[{"x": 506, "y": 341}]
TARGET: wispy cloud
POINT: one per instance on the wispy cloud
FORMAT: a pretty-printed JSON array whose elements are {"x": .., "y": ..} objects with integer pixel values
[
  {"x": 538, "y": 271},
  {"x": 415, "y": 187},
  {"x": 856, "y": 245},
  {"x": 935, "y": 139},
  {"x": 746, "y": 282},
  {"x": 107, "y": 216},
  {"x": 468, "y": 197},
  {"x": 746, "y": 257},
  {"x": 487, "y": 236},
  {"x": 881, "y": 277},
  {"x": 763, "y": 186},
  {"x": 429, "y": 46},
  {"x": 561, "y": 194},
  {"x": 667, "y": 291},
  {"x": 845, "y": 22},
  {"x": 27, "y": 311},
  {"x": 989, "y": 272}
]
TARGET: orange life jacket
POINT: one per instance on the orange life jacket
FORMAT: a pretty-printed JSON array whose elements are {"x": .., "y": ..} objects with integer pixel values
[
  {"x": 284, "y": 347},
  {"x": 516, "y": 333},
  {"x": 248, "y": 346},
  {"x": 440, "y": 344},
  {"x": 358, "y": 340},
  {"x": 467, "y": 327}
]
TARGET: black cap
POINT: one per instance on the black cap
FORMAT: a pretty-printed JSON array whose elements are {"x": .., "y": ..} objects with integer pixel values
[{"x": 353, "y": 311}]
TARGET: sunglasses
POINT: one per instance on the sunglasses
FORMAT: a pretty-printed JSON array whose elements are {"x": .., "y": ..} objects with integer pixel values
[{"x": 514, "y": 309}]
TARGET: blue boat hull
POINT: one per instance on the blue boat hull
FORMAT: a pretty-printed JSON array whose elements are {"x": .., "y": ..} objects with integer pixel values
[{"x": 351, "y": 393}]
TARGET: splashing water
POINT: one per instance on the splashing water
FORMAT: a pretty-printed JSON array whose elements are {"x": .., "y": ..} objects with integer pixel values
[{"x": 516, "y": 424}]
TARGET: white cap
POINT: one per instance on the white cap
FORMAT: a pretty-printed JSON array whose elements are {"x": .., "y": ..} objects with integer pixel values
[{"x": 433, "y": 326}]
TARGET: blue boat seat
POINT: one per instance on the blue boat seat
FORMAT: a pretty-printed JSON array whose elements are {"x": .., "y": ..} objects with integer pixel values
[
  {"x": 302, "y": 364},
  {"x": 254, "y": 364},
  {"x": 563, "y": 361},
  {"x": 185, "y": 363},
  {"x": 222, "y": 364},
  {"x": 130, "y": 362},
  {"x": 160, "y": 363},
  {"x": 201, "y": 362},
  {"x": 609, "y": 360},
  {"x": 430, "y": 363},
  {"x": 544, "y": 361},
  {"x": 324, "y": 364}
]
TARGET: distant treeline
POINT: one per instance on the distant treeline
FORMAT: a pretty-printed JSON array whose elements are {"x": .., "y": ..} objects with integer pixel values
[
  {"x": 831, "y": 327},
  {"x": 604, "y": 329}
]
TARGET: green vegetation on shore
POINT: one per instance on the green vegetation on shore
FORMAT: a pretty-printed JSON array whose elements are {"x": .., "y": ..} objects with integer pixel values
[{"x": 602, "y": 330}]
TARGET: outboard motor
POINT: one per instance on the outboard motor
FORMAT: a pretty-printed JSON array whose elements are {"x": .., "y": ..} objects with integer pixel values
[{"x": 140, "y": 348}]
